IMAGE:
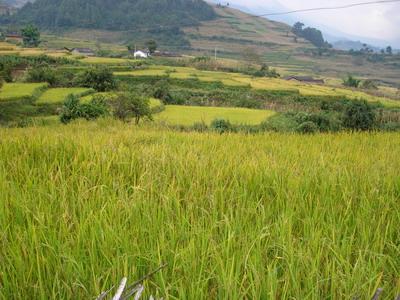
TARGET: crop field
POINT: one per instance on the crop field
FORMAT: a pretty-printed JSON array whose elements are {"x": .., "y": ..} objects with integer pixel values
[
  {"x": 235, "y": 79},
  {"x": 234, "y": 216},
  {"x": 154, "y": 103},
  {"x": 188, "y": 115},
  {"x": 16, "y": 91},
  {"x": 58, "y": 95},
  {"x": 104, "y": 60}
]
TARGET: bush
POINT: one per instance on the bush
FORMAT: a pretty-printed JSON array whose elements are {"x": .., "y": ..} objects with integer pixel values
[
  {"x": 350, "y": 81},
  {"x": 221, "y": 125},
  {"x": 72, "y": 109},
  {"x": 96, "y": 108},
  {"x": 42, "y": 74},
  {"x": 307, "y": 127},
  {"x": 359, "y": 115},
  {"x": 101, "y": 79},
  {"x": 369, "y": 85},
  {"x": 161, "y": 91}
]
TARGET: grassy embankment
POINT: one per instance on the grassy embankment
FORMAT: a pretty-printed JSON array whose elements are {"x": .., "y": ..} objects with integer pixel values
[{"x": 234, "y": 216}]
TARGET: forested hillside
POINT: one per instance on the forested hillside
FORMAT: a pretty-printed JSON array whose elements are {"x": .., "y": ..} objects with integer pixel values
[{"x": 113, "y": 14}]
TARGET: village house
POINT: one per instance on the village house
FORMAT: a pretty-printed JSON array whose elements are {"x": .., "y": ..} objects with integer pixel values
[
  {"x": 14, "y": 38},
  {"x": 83, "y": 51},
  {"x": 141, "y": 54}
]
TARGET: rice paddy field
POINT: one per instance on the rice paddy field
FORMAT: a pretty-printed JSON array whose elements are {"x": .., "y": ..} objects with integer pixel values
[
  {"x": 236, "y": 79},
  {"x": 189, "y": 115},
  {"x": 58, "y": 95},
  {"x": 15, "y": 91},
  {"x": 268, "y": 216}
]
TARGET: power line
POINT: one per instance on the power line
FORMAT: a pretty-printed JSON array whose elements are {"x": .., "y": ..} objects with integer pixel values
[{"x": 324, "y": 8}]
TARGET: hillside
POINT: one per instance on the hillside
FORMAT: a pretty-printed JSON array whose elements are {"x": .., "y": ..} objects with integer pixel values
[
  {"x": 114, "y": 15},
  {"x": 197, "y": 28}
]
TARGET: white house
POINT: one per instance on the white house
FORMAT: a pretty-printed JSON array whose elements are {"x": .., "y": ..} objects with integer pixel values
[{"x": 141, "y": 54}]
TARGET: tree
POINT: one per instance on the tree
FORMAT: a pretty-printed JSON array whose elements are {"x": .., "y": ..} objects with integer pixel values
[
  {"x": 314, "y": 36},
  {"x": 311, "y": 34},
  {"x": 31, "y": 36},
  {"x": 130, "y": 105},
  {"x": 101, "y": 79},
  {"x": 389, "y": 50},
  {"x": 152, "y": 46},
  {"x": 297, "y": 28}
]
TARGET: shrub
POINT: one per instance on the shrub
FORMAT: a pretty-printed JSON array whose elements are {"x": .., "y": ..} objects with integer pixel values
[
  {"x": 42, "y": 74},
  {"x": 359, "y": 115},
  {"x": 307, "y": 127},
  {"x": 101, "y": 79},
  {"x": 96, "y": 108},
  {"x": 221, "y": 125},
  {"x": 350, "y": 81},
  {"x": 73, "y": 109},
  {"x": 70, "y": 109},
  {"x": 161, "y": 91},
  {"x": 369, "y": 85}
]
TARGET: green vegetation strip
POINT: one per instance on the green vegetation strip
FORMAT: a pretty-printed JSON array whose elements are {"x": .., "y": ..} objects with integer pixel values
[{"x": 234, "y": 216}]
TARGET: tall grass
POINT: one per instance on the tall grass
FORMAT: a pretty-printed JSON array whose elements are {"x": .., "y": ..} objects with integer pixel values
[{"x": 234, "y": 216}]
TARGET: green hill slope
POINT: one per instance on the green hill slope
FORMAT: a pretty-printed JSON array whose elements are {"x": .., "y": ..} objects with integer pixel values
[{"x": 113, "y": 14}]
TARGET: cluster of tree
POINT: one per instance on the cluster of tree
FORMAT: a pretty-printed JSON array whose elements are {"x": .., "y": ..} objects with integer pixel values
[
  {"x": 123, "y": 106},
  {"x": 98, "y": 78},
  {"x": 9, "y": 63},
  {"x": 367, "y": 84},
  {"x": 114, "y": 15},
  {"x": 31, "y": 36},
  {"x": 366, "y": 49},
  {"x": 311, "y": 34}
]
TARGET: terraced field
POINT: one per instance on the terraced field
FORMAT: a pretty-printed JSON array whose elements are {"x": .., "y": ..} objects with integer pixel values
[
  {"x": 236, "y": 79},
  {"x": 16, "y": 91},
  {"x": 58, "y": 95},
  {"x": 188, "y": 115}
]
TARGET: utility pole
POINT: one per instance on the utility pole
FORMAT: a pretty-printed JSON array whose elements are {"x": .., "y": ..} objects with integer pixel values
[{"x": 215, "y": 53}]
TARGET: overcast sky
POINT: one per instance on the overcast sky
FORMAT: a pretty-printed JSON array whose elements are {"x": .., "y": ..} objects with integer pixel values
[{"x": 379, "y": 21}]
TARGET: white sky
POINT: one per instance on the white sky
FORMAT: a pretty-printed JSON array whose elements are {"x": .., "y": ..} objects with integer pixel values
[{"x": 378, "y": 21}]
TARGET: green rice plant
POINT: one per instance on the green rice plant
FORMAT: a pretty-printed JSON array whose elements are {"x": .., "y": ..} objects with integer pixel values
[
  {"x": 58, "y": 95},
  {"x": 189, "y": 115},
  {"x": 235, "y": 216}
]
